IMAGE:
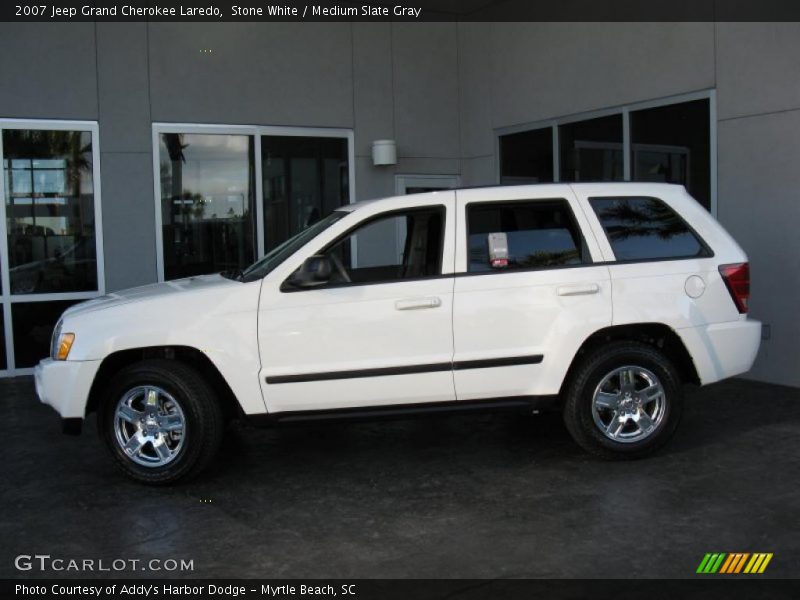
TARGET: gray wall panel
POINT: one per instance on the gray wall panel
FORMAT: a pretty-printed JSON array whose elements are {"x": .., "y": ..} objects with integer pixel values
[
  {"x": 428, "y": 166},
  {"x": 426, "y": 89},
  {"x": 476, "y": 96},
  {"x": 759, "y": 205},
  {"x": 758, "y": 67},
  {"x": 256, "y": 73},
  {"x": 48, "y": 71},
  {"x": 373, "y": 182},
  {"x": 544, "y": 70},
  {"x": 123, "y": 87},
  {"x": 129, "y": 237},
  {"x": 478, "y": 171},
  {"x": 372, "y": 85}
]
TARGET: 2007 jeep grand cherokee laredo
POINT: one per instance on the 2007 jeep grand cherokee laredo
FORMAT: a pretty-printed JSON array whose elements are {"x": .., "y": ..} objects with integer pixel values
[{"x": 600, "y": 299}]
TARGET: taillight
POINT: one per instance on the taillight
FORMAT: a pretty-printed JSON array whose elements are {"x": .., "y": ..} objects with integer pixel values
[{"x": 737, "y": 278}]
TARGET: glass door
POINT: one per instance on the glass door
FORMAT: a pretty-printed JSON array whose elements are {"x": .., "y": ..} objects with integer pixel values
[
  {"x": 207, "y": 189},
  {"x": 226, "y": 195},
  {"x": 304, "y": 179},
  {"x": 51, "y": 250}
]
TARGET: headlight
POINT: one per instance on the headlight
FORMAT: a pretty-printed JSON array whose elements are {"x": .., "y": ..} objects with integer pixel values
[
  {"x": 54, "y": 341},
  {"x": 61, "y": 343}
]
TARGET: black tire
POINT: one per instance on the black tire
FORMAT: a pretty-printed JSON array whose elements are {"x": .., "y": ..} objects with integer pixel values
[
  {"x": 591, "y": 371},
  {"x": 203, "y": 416}
]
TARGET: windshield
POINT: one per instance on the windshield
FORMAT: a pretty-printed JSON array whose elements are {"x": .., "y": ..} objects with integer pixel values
[{"x": 277, "y": 255}]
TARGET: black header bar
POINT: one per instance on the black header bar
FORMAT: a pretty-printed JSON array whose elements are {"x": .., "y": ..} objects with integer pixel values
[
  {"x": 216, "y": 11},
  {"x": 733, "y": 588}
]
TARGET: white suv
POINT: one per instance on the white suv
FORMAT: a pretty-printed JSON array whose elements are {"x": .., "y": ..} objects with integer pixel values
[{"x": 599, "y": 299}]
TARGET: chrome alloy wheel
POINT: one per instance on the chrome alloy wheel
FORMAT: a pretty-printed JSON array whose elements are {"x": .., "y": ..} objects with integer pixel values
[
  {"x": 629, "y": 404},
  {"x": 149, "y": 425}
]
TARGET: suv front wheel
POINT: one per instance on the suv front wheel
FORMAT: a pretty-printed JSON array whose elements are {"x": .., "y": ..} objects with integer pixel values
[
  {"x": 623, "y": 400},
  {"x": 161, "y": 421}
]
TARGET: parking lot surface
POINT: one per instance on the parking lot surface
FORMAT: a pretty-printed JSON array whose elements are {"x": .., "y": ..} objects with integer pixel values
[{"x": 468, "y": 496}]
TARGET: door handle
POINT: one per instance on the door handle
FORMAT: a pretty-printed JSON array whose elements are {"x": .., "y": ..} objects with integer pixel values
[
  {"x": 578, "y": 290},
  {"x": 418, "y": 303}
]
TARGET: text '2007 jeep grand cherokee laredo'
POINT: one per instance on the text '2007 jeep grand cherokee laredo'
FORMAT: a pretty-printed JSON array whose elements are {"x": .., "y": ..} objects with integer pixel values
[{"x": 602, "y": 299}]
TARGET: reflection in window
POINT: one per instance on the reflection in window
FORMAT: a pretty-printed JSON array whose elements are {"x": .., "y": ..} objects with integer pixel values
[
  {"x": 33, "y": 324},
  {"x": 207, "y": 196},
  {"x": 591, "y": 150},
  {"x": 645, "y": 228},
  {"x": 304, "y": 179},
  {"x": 49, "y": 210},
  {"x": 540, "y": 234},
  {"x": 672, "y": 144},
  {"x": 3, "y": 363},
  {"x": 526, "y": 157}
]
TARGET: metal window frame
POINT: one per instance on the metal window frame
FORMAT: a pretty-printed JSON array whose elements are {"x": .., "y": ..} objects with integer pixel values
[
  {"x": 401, "y": 181},
  {"x": 257, "y": 131},
  {"x": 7, "y": 299},
  {"x": 624, "y": 110}
]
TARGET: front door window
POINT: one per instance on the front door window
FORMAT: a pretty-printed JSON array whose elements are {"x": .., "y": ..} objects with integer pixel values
[{"x": 401, "y": 245}]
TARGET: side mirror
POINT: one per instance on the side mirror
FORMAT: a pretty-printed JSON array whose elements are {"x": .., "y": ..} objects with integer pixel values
[
  {"x": 498, "y": 250},
  {"x": 315, "y": 271}
]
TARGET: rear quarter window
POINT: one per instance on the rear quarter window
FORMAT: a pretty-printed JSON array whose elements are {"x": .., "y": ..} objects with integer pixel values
[{"x": 646, "y": 229}]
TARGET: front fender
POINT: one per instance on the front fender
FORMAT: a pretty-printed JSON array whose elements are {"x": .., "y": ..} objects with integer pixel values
[{"x": 218, "y": 322}]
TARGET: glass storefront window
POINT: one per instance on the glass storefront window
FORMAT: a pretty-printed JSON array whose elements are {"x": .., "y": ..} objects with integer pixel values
[
  {"x": 49, "y": 192},
  {"x": 207, "y": 202},
  {"x": 208, "y": 188},
  {"x": 527, "y": 157},
  {"x": 591, "y": 150},
  {"x": 672, "y": 144},
  {"x": 668, "y": 143},
  {"x": 304, "y": 179},
  {"x": 3, "y": 361},
  {"x": 52, "y": 234},
  {"x": 33, "y": 323}
]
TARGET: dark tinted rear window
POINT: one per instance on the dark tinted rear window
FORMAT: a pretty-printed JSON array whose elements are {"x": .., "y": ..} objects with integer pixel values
[
  {"x": 540, "y": 233},
  {"x": 646, "y": 228}
]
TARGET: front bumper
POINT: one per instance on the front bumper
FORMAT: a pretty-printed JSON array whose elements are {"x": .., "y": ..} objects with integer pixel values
[{"x": 65, "y": 385}]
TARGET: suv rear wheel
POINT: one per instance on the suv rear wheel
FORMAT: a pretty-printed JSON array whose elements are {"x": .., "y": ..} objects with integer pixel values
[
  {"x": 623, "y": 401},
  {"x": 161, "y": 421}
]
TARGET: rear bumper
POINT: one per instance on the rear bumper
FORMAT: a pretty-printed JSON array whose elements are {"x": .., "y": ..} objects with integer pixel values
[
  {"x": 65, "y": 386},
  {"x": 722, "y": 350}
]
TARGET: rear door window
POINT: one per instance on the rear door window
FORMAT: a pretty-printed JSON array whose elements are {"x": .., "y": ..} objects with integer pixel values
[
  {"x": 540, "y": 234},
  {"x": 646, "y": 229}
]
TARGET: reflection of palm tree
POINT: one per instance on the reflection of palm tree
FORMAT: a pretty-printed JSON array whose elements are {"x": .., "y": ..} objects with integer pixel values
[
  {"x": 640, "y": 218},
  {"x": 74, "y": 147},
  {"x": 544, "y": 258},
  {"x": 70, "y": 153},
  {"x": 175, "y": 147},
  {"x": 198, "y": 204}
]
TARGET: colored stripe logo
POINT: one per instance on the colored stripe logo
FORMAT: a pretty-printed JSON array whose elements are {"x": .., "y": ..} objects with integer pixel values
[{"x": 734, "y": 563}]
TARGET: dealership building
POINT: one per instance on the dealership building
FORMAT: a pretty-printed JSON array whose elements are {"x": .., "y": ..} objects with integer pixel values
[{"x": 141, "y": 152}]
